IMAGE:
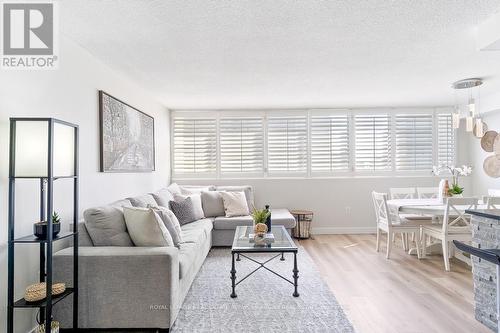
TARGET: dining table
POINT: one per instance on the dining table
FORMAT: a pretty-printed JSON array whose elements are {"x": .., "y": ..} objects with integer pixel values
[{"x": 431, "y": 208}]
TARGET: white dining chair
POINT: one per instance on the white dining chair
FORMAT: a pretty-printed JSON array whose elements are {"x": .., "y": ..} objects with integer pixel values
[
  {"x": 427, "y": 192},
  {"x": 392, "y": 224},
  {"x": 492, "y": 202},
  {"x": 402, "y": 192},
  {"x": 493, "y": 192},
  {"x": 455, "y": 226}
]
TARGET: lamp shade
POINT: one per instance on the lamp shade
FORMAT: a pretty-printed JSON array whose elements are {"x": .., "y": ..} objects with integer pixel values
[{"x": 32, "y": 148}]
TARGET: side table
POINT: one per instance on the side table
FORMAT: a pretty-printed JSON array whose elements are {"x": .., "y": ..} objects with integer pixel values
[{"x": 304, "y": 219}]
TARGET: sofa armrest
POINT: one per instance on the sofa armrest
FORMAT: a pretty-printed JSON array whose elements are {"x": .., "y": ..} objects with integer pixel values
[{"x": 121, "y": 287}]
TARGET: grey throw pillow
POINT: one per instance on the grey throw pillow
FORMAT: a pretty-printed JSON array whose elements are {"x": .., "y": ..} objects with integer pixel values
[
  {"x": 142, "y": 200},
  {"x": 172, "y": 224},
  {"x": 106, "y": 226},
  {"x": 212, "y": 203},
  {"x": 183, "y": 210},
  {"x": 163, "y": 197}
]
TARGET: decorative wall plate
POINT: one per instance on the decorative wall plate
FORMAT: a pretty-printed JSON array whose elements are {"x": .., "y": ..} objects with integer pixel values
[
  {"x": 488, "y": 140},
  {"x": 491, "y": 166}
]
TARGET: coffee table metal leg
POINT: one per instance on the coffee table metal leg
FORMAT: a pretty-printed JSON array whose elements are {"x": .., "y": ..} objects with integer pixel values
[
  {"x": 238, "y": 257},
  {"x": 282, "y": 256},
  {"x": 295, "y": 275},
  {"x": 233, "y": 278}
]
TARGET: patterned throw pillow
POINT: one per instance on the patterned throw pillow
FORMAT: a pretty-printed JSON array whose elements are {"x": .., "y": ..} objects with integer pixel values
[{"x": 183, "y": 210}]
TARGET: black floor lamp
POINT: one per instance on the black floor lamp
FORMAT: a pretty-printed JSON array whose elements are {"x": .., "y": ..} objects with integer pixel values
[{"x": 44, "y": 150}]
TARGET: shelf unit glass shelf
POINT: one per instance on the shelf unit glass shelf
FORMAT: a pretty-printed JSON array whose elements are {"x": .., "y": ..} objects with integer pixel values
[{"x": 33, "y": 239}]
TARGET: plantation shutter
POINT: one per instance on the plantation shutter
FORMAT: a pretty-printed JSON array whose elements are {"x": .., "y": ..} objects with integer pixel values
[
  {"x": 445, "y": 139},
  {"x": 287, "y": 144},
  {"x": 413, "y": 142},
  {"x": 241, "y": 145},
  {"x": 195, "y": 146},
  {"x": 372, "y": 142},
  {"x": 329, "y": 143}
]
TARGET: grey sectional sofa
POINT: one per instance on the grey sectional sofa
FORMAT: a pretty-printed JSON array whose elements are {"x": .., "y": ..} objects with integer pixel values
[{"x": 123, "y": 286}]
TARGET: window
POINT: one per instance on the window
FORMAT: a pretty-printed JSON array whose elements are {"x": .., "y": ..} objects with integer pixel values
[
  {"x": 287, "y": 144},
  {"x": 310, "y": 143},
  {"x": 329, "y": 143},
  {"x": 445, "y": 139},
  {"x": 194, "y": 146},
  {"x": 373, "y": 142},
  {"x": 414, "y": 142},
  {"x": 241, "y": 145}
]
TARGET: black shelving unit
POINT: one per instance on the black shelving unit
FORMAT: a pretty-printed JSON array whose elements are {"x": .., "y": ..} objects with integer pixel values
[{"x": 46, "y": 183}]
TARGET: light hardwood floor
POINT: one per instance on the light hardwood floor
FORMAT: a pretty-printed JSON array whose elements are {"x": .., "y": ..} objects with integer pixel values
[{"x": 399, "y": 295}]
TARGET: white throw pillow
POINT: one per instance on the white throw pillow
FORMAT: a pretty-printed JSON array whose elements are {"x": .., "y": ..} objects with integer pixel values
[
  {"x": 196, "y": 200},
  {"x": 146, "y": 228},
  {"x": 235, "y": 204},
  {"x": 174, "y": 188}
]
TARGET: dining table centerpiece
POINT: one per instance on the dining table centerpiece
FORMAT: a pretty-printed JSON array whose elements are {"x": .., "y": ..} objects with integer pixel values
[{"x": 453, "y": 190}]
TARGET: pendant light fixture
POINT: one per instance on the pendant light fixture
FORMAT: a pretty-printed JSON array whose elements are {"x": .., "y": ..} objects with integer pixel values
[{"x": 469, "y": 107}]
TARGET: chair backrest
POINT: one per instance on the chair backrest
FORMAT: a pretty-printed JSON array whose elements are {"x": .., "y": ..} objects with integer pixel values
[
  {"x": 428, "y": 192},
  {"x": 454, "y": 212},
  {"x": 492, "y": 202},
  {"x": 402, "y": 192},
  {"x": 381, "y": 210},
  {"x": 493, "y": 192}
]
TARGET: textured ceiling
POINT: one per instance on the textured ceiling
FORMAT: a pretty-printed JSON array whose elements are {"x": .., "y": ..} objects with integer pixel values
[{"x": 276, "y": 53}]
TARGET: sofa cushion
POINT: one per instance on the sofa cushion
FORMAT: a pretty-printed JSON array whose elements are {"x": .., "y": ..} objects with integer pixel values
[
  {"x": 244, "y": 188},
  {"x": 183, "y": 210},
  {"x": 106, "y": 226},
  {"x": 204, "y": 224},
  {"x": 174, "y": 188},
  {"x": 191, "y": 251},
  {"x": 163, "y": 197},
  {"x": 278, "y": 217},
  {"x": 196, "y": 201},
  {"x": 121, "y": 203},
  {"x": 146, "y": 228},
  {"x": 212, "y": 203},
  {"x": 235, "y": 204},
  {"x": 190, "y": 189},
  {"x": 143, "y": 201},
  {"x": 172, "y": 224}
]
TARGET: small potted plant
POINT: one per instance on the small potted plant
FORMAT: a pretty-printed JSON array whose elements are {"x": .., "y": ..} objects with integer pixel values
[
  {"x": 260, "y": 228},
  {"x": 40, "y": 228},
  {"x": 455, "y": 189}
]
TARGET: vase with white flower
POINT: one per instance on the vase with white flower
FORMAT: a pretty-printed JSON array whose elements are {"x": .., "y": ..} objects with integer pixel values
[{"x": 455, "y": 172}]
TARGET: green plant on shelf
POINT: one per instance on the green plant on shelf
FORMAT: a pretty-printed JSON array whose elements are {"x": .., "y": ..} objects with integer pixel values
[{"x": 55, "y": 218}]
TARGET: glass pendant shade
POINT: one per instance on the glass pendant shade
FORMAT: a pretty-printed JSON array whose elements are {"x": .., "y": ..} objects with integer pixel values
[
  {"x": 456, "y": 120},
  {"x": 472, "y": 108},
  {"x": 469, "y": 124},
  {"x": 32, "y": 149},
  {"x": 479, "y": 131}
]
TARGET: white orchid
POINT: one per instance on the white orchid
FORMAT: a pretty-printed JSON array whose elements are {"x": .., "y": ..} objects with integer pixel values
[{"x": 443, "y": 168}]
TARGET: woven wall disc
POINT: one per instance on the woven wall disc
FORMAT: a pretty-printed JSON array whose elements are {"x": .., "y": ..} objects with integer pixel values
[
  {"x": 488, "y": 140},
  {"x": 491, "y": 166}
]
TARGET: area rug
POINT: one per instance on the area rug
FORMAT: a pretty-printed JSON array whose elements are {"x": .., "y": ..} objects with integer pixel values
[{"x": 264, "y": 303}]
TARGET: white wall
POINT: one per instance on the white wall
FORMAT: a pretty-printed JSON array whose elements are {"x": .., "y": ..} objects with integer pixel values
[
  {"x": 481, "y": 181},
  {"x": 69, "y": 93},
  {"x": 340, "y": 205}
]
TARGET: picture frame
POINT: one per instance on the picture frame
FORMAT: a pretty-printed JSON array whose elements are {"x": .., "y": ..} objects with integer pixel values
[{"x": 127, "y": 142}]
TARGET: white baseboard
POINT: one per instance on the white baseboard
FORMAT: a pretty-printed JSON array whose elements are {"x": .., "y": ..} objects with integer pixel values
[{"x": 342, "y": 230}]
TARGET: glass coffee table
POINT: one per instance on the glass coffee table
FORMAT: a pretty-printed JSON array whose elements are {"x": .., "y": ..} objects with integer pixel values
[{"x": 243, "y": 246}]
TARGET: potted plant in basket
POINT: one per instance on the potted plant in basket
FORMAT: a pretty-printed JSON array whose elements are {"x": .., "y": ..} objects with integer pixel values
[{"x": 40, "y": 228}]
